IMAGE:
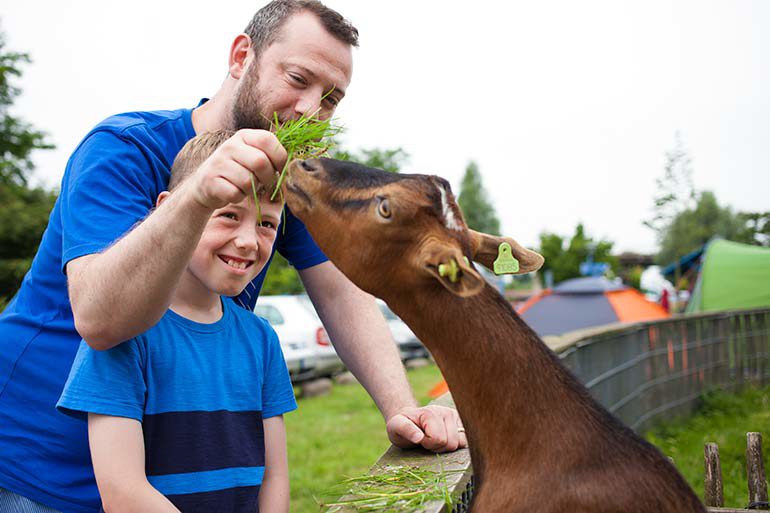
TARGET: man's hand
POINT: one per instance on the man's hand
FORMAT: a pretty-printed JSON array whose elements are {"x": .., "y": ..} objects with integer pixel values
[
  {"x": 225, "y": 177},
  {"x": 436, "y": 428}
]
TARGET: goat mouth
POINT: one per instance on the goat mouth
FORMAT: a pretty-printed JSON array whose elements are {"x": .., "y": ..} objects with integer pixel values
[{"x": 297, "y": 191}]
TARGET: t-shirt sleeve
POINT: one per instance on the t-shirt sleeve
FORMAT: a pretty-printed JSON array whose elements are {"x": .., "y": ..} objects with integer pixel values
[
  {"x": 277, "y": 392},
  {"x": 296, "y": 244},
  {"x": 106, "y": 382},
  {"x": 108, "y": 189}
]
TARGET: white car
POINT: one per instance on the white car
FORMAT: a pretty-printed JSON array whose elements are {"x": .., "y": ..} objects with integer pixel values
[
  {"x": 409, "y": 346},
  {"x": 305, "y": 343}
]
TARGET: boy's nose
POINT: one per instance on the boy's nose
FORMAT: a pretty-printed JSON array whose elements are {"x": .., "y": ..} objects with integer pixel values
[{"x": 246, "y": 239}]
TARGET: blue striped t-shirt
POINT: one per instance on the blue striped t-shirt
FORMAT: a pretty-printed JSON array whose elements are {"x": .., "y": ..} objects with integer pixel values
[{"x": 201, "y": 392}]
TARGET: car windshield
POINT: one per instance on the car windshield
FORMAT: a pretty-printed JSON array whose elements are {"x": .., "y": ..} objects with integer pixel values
[{"x": 270, "y": 313}]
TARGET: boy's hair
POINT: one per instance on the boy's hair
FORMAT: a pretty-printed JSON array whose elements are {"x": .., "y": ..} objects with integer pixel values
[
  {"x": 192, "y": 155},
  {"x": 264, "y": 28}
]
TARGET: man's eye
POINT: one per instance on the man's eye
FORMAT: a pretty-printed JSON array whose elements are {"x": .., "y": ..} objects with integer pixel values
[
  {"x": 298, "y": 78},
  {"x": 229, "y": 215},
  {"x": 332, "y": 101},
  {"x": 268, "y": 224}
]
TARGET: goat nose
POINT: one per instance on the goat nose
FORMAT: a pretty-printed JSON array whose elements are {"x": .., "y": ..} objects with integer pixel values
[{"x": 307, "y": 166}]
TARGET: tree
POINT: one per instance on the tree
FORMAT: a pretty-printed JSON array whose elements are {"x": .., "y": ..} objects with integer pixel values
[
  {"x": 17, "y": 138},
  {"x": 23, "y": 210},
  {"x": 685, "y": 219},
  {"x": 564, "y": 262},
  {"x": 676, "y": 192},
  {"x": 693, "y": 227},
  {"x": 478, "y": 211},
  {"x": 756, "y": 228}
]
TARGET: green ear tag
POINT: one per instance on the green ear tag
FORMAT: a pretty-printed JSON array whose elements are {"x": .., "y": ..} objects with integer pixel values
[
  {"x": 449, "y": 269},
  {"x": 505, "y": 263}
]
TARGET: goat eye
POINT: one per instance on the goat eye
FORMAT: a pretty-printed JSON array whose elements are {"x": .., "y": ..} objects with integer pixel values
[{"x": 383, "y": 208}]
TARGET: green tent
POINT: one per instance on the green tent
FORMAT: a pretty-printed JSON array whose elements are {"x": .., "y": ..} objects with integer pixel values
[{"x": 732, "y": 276}]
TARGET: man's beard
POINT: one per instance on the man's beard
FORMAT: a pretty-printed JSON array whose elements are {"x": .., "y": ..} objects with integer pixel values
[{"x": 247, "y": 110}]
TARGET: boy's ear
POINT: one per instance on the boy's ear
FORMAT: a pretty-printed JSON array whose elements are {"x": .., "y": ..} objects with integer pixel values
[{"x": 161, "y": 198}]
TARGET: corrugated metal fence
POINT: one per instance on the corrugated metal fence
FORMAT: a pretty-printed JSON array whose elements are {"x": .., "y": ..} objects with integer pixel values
[
  {"x": 656, "y": 370},
  {"x": 646, "y": 372}
]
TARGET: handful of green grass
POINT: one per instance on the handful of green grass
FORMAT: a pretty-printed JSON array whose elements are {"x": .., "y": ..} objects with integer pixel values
[
  {"x": 399, "y": 489},
  {"x": 305, "y": 137}
]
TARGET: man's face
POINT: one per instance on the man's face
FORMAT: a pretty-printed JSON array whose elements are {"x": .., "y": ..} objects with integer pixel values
[
  {"x": 235, "y": 246},
  {"x": 305, "y": 71}
]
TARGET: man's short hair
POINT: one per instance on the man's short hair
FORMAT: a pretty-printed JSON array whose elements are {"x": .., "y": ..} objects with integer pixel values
[
  {"x": 266, "y": 24},
  {"x": 194, "y": 153}
]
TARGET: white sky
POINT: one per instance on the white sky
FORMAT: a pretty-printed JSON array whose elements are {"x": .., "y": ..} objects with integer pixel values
[{"x": 566, "y": 106}]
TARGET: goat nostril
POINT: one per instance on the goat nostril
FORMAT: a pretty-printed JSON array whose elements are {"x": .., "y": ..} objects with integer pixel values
[{"x": 307, "y": 166}]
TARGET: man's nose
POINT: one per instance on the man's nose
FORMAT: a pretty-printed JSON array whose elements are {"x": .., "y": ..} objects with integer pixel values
[{"x": 309, "y": 104}]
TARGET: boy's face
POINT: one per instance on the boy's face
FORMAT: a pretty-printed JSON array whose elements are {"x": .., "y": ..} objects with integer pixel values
[{"x": 234, "y": 246}]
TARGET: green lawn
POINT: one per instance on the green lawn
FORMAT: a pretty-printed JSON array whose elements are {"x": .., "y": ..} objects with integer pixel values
[
  {"x": 339, "y": 435},
  {"x": 723, "y": 419}
]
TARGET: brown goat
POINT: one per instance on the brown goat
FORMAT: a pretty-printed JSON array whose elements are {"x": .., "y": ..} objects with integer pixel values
[{"x": 538, "y": 441}]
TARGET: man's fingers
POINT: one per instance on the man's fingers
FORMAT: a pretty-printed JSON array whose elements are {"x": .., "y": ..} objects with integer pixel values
[
  {"x": 463, "y": 438},
  {"x": 452, "y": 435},
  {"x": 403, "y": 432},
  {"x": 435, "y": 430}
]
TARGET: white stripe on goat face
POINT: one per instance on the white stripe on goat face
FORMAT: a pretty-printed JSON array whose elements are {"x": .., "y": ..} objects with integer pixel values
[{"x": 449, "y": 214}]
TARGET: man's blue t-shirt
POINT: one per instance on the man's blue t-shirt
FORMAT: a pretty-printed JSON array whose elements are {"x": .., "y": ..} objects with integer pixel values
[
  {"x": 110, "y": 183},
  {"x": 200, "y": 392}
]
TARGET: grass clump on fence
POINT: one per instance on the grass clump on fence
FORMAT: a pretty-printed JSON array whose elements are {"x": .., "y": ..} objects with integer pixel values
[{"x": 392, "y": 489}]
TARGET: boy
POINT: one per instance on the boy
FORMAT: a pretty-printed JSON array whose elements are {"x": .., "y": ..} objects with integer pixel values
[{"x": 188, "y": 416}]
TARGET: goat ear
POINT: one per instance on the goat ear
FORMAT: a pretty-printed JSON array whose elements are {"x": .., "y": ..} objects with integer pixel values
[
  {"x": 447, "y": 264},
  {"x": 485, "y": 250}
]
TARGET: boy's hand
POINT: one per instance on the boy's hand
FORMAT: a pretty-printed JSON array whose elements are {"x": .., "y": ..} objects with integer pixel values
[{"x": 225, "y": 177}]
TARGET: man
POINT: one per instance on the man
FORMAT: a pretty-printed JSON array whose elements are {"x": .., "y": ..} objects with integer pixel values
[{"x": 108, "y": 269}]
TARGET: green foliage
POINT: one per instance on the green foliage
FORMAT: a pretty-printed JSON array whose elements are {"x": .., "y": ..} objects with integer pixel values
[
  {"x": 693, "y": 227},
  {"x": 389, "y": 160},
  {"x": 724, "y": 419},
  {"x": 474, "y": 201},
  {"x": 281, "y": 278},
  {"x": 23, "y": 210},
  {"x": 634, "y": 277},
  {"x": 564, "y": 262},
  {"x": 17, "y": 138},
  {"x": 756, "y": 228}
]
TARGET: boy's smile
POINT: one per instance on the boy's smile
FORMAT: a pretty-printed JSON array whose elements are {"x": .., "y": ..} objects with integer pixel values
[{"x": 236, "y": 264}]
